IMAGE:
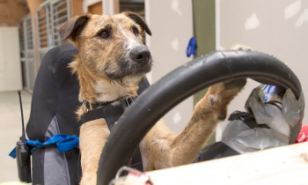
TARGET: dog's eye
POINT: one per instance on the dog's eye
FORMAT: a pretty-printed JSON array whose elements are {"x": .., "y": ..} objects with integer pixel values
[
  {"x": 135, "y": 30},
  {"x": 105, "y": 33}
]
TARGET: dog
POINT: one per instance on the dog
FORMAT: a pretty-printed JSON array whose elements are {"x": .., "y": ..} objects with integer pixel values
[{"x": 111, "y": 61}]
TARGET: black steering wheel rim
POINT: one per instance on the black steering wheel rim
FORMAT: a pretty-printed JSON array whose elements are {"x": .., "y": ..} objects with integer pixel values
[{"x": 179, "y": 84}]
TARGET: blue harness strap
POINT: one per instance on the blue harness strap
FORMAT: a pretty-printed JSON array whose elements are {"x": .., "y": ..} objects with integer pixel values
[{"x": 62, "y": 142}]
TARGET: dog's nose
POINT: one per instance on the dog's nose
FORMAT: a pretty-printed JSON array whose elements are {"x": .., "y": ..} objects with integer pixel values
[{"x": 140, "y": 54}]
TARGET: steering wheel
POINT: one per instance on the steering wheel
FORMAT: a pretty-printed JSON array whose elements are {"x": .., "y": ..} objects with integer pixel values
[{"x": 179, "y": 84}]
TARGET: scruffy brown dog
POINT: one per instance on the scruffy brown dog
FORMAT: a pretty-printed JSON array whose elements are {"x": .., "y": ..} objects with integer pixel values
[{"x": 112, "y": 59}]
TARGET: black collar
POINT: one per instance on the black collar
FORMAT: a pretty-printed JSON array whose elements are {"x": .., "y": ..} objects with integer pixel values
[
  {"x": 110, "y": 111},
  {"x": 97, "y": 105}
]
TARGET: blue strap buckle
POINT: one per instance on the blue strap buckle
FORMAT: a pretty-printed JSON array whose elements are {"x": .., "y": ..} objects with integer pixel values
[{"x": 62, "y": 142}]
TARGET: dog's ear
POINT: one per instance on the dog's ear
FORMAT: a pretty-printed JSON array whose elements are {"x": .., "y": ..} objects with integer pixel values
[
  {"x": 73, "y": 27},
  {"x": 139, "y": 20}
]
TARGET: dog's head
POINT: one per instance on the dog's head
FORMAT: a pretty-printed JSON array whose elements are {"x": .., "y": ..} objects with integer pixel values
[{"x": 110, "y": 47}]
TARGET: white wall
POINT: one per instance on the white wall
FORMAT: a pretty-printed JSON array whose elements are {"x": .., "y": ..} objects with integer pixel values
[
  {"x": 277, "y": 27},
  {"x": 172, "y": 27},
  {"x": 10, "y": 71}
]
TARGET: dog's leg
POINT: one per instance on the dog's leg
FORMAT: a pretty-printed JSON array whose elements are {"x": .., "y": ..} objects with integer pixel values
[
  {"x": 207, "y": 113},
  {"x": 93, "y": 136},
  {"x": 161, "y": 148}
]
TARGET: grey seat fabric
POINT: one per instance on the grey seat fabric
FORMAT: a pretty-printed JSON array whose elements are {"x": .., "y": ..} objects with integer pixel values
[
  {"x": 54, "y": 102},
  {"x": 56, "y": 171}
]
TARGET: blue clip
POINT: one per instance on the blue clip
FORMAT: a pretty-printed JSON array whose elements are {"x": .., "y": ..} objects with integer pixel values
[
  {"x": 191, "y": 49},
  {"x": 271, "y": 90},
  {"x": 13, "y": 153}
]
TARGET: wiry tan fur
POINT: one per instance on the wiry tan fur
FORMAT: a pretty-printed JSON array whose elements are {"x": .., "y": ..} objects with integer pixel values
[{"x": 160, "y": 148}]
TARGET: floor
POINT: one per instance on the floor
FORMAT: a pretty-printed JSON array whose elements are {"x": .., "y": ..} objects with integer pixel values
[{"x": 10, "y": 130}]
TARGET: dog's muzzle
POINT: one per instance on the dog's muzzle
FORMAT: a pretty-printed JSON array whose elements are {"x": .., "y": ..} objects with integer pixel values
[
  {"x": 137, "y": 61},
  {"x": 140, "y": 55}
]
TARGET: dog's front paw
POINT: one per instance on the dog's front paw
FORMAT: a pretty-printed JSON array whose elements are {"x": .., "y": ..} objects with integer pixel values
[
  {"x": 231, "y": 89},
  {"x": 221, "y": 95},
  {"x": 227, "y": 89}
]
